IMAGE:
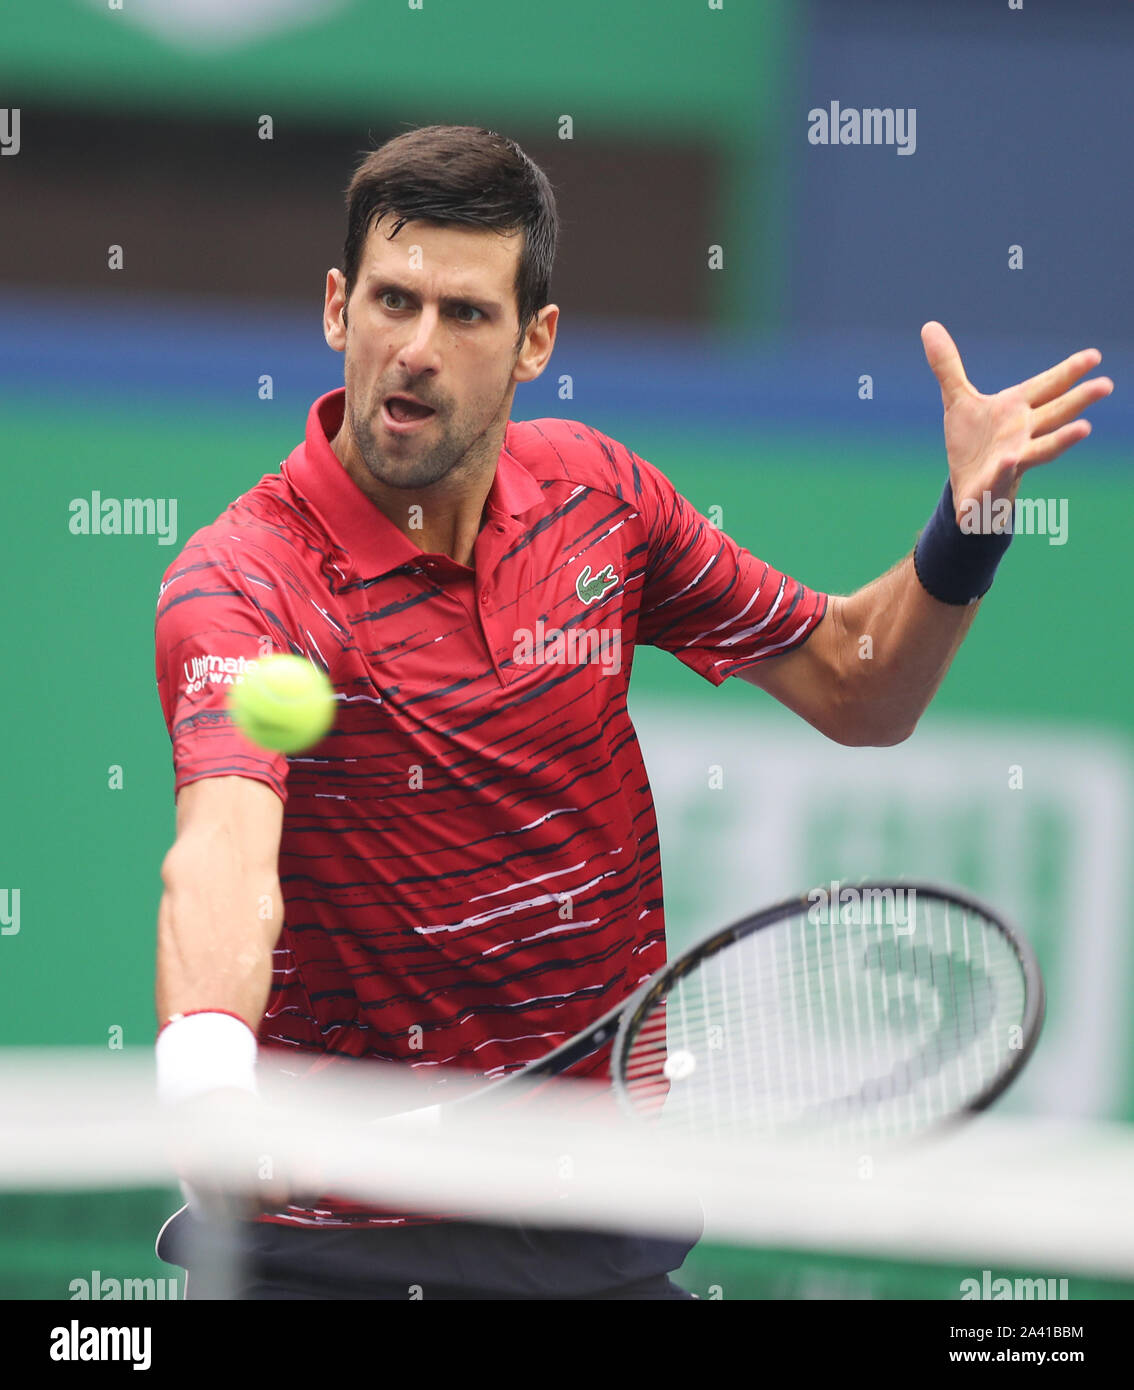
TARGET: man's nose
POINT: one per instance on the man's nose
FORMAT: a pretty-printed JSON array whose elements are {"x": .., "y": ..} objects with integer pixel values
[{"x": 420, "y": 350}]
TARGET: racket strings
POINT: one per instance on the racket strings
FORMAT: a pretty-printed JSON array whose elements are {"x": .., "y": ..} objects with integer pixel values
[{"x": 879, "y": 1028}]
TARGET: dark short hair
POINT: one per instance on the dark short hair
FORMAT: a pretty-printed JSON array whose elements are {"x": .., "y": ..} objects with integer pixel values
[{"x": 458, "y": 175}]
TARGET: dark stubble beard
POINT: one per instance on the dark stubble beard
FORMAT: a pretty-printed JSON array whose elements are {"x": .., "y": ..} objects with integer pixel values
[{"x": 414, "y": 468}]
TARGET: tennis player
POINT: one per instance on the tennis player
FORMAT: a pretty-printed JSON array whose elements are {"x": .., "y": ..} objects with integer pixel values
[{"x": 465, "y": 871}]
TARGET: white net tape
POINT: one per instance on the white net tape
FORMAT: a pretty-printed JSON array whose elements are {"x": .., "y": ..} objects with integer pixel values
[{"x": 1007, "y": 1190}]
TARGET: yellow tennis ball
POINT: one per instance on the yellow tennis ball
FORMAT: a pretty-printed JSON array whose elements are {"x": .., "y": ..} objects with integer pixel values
[{"x": 284, "y": 703}]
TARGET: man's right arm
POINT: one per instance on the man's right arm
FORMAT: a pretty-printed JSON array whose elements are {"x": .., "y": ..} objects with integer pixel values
[{"x": 222, "y": 909}]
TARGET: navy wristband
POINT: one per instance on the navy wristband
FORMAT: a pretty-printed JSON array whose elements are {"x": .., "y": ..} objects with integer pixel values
[{"x": 954, "y": 567}]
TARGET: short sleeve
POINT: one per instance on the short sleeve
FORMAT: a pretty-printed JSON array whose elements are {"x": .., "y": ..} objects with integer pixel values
[
  {"x": 708, "y": 600},
  {"x": 214, "y": 620}
]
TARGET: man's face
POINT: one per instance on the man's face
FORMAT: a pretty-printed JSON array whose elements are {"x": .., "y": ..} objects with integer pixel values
[{"x": 433, "y": 315}]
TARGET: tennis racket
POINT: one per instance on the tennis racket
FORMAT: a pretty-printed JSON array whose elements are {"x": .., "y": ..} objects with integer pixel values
[{"x": 875, "y": 1011}]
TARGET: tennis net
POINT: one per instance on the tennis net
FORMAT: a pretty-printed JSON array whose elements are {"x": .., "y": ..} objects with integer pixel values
[{"x": 86, "y": 1176}]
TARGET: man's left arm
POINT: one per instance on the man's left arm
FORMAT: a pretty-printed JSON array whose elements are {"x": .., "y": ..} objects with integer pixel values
[
  {"x": 867, "y": 672},
  {"x": 869, "y": 669}
]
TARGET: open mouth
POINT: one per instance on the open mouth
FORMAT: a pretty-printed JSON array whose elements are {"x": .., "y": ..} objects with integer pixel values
[{"x": 406, "y": 412}]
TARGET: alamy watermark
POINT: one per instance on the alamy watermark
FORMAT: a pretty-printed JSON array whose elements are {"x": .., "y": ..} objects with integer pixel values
[
  {"x": 127, "y": 516},
  {"x": 98, "y": 1288},
  {"x": 78, "y": 1343},
  {"x": 9, "y": 912},
  {"x": 10, "y": 130},
  {"x": 572, "y": 646},
  {"x": 850, "y": 906},
  {"x": 874, "y": 125},
  {"x": 987, "y": 1286},
  {"x": 1026, "y": 516}
]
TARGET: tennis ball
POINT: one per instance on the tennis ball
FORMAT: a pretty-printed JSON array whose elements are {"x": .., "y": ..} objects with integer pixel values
[{"x": 284, "y": 703}]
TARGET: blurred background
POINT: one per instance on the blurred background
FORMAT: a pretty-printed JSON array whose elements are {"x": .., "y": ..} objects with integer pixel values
[{"x": 739, "y": 306}]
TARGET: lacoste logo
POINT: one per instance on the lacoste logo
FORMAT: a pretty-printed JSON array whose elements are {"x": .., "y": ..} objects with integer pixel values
[{"x": 591, "y": 590}]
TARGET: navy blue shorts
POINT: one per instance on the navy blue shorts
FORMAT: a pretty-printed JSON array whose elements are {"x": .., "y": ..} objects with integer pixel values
[{"x": 446, "y": 1260}]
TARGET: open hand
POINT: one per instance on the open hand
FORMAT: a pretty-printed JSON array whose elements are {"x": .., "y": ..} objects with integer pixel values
[{"x": 991, "y": 441}]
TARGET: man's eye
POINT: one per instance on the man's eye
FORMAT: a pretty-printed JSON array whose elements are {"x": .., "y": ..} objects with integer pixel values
[
  {"x": 389, "y": 294},
  {"x": 471, "y": 309}
]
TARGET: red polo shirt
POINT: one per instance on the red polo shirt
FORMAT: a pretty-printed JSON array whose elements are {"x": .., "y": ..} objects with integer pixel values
[{"x": 469, "y": 859}]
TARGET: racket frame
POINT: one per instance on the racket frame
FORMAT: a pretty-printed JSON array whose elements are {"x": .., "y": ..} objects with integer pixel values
[
  {"x": 619, "y": 1022},
  {"x": 631, "y": 1012}
]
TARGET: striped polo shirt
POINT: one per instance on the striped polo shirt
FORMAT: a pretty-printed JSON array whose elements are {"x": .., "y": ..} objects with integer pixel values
[{"x": 469, "y": 859}]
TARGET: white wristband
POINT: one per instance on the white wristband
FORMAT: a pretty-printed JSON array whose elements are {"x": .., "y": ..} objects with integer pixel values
[{"x": 204, "y": 1052}]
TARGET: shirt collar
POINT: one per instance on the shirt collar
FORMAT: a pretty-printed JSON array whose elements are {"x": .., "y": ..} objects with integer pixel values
[{"x": 352, "y": 520}]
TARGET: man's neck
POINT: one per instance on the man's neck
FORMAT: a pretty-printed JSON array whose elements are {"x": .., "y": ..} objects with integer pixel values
[{"x": 443, "y": 519}]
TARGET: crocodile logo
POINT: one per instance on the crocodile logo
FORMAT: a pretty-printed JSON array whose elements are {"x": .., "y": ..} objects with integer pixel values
[{"x": 589, "y": 589}]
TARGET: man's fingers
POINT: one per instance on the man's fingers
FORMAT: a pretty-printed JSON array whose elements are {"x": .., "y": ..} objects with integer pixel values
[
  {"x": 1068, "y": 406},
  {"x": 942, "y": 355},
  {"x": 1038, "y": 390},
  {"x": 1052, "y": 445}
]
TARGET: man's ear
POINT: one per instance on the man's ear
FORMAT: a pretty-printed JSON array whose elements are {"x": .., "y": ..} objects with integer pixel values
[{"x": 335, "y": 331}]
